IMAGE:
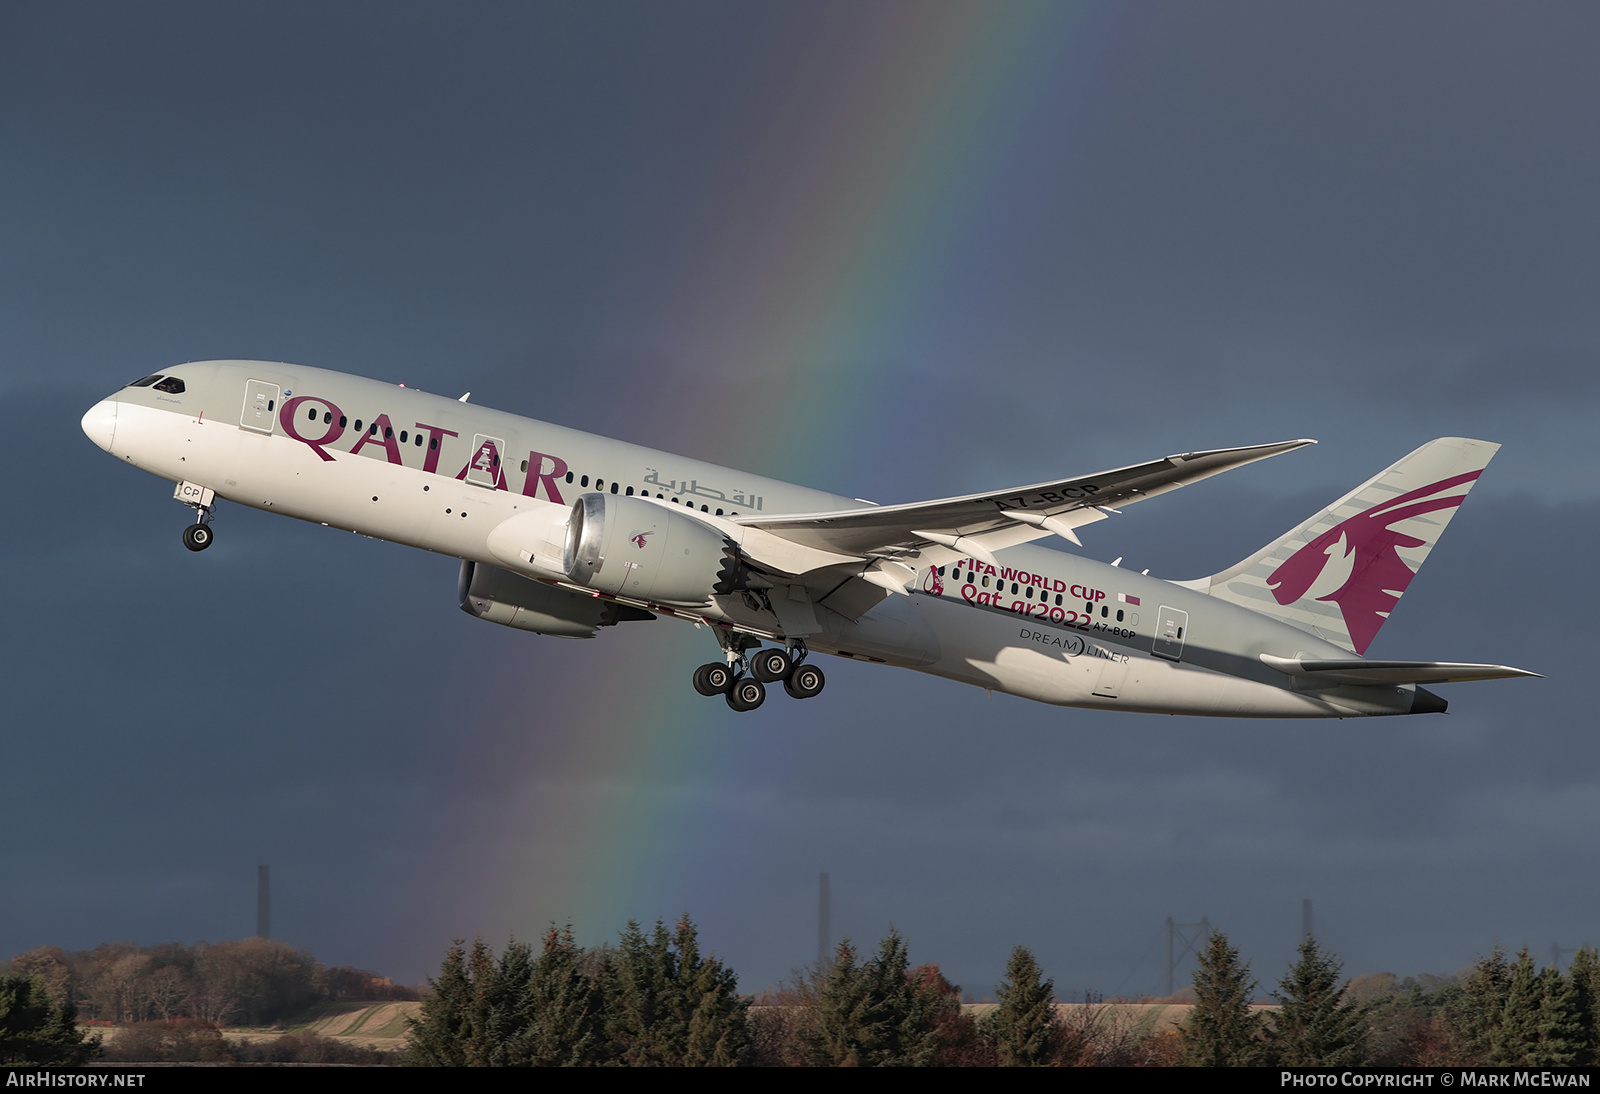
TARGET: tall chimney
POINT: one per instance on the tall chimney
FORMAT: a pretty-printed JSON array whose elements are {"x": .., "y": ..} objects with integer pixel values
[{"x": 824, "y": 922}]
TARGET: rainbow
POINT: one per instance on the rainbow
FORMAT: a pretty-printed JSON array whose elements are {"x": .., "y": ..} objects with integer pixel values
[{"x": 845, "y": 218}]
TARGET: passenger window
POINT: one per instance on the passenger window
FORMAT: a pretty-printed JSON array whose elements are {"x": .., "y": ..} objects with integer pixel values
[
  {"x": 341, "y": 419},
  {"x": 433, "y": 446},
  {"x": 719, "y": 512},
  {"x": 1105, "y": 611},
  {"x": 1088, "y": 608},
  {"x": 705, "y": 508},
  {"x": 388, "y": 432},
  {"x": 358, "y": 425},
  {"x": 630, "y": 491},
  {"x": 614, "y": 490},
  {"x": 524, "y": 466},
  {"x": 1030, "y": 592},
  {"x": 327, "y": 417},
  {"x": 1058, "y": 600},
  {"x": 1013, "y": 588},
  {"x": 569, "y": 476},
  {"x": 311, "y": 415},
  {"x": 147, "y": 381},
  {"x": 418, "y": 441},
  {"x": 403, "y": 437},
  {"x": 372, "y": 430},
  {"x": 599, "y": 484},
  {"x": 985, "y": 582},
  {"x": 1119, "y": 615},
  {"x": 584, "y": 481}
]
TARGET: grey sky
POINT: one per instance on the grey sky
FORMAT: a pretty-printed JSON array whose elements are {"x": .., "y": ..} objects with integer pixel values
[{"x": 1153, "y": 227}]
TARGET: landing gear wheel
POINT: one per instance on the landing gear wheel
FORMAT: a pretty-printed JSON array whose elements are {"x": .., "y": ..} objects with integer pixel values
[
  {"x": 747, "y": 694},
  {"x": 197, "y": 537},
  {"x": 805, "y": 681},
  {"x": 713, "y": 679},
  {"x": 770, "y": 666}
]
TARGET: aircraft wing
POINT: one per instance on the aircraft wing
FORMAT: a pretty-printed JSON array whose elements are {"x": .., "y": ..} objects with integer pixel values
[{"x": 977, "y": 524}]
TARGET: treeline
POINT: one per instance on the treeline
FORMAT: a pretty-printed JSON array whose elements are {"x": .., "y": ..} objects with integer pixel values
[
  {"x": 253, "y": 981},
  {"x": 655, "y": 999},
  {"x": 1503, "y": 1012}
]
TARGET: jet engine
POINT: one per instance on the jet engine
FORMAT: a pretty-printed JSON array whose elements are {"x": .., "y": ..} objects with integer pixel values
[
  {"x": 511, "y": 600},
  {"x": 635, "y": 548}
]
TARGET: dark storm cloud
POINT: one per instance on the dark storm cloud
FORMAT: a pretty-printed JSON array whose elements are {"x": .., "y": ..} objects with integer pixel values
[{"x": 1369, "y": 224}]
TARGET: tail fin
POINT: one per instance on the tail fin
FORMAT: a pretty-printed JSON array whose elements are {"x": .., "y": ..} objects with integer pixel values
[{"x": 1341, "y": 573}]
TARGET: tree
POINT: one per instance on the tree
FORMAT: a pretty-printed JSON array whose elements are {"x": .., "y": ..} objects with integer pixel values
[
  {"x": 871, "y": 1015},
  {"x": 1539, "y": 1024},
  {"x": 1584, "y": 972},
  {"x": 1482, "y": 1009},
  {"x": 33, "y": 1030},
  {"x": 1024, "y": 1027},
  {"x": 719, "y": 1021},
  {"x": 1221, "y": 1031},
  {"x": 1560, "y": 1034},
  {"x": 669, "y": 1006},
  {"x": 565, "y": 1007},
  {"x": 1314, "y": 1027},
  {"x": 438, "y": 1036}
]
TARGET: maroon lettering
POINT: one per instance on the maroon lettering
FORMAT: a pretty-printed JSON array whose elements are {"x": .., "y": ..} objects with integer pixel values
[
  {"x": 430, "y": 462},
  {"x": 289, "y": 412},
  {"x": 537, "y": 474},
  {"x": 381, "y": 432}
]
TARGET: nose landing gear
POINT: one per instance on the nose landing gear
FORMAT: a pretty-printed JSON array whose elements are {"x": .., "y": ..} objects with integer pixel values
[{"x": 198, "y": 536}]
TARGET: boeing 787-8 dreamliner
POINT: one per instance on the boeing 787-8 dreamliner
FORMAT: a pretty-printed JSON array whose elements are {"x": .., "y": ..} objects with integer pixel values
[{"x": 563, "y": 533}]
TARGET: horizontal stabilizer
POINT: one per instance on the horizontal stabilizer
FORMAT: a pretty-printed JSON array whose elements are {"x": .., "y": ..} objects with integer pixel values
[{"x": 1355, "y": 670}]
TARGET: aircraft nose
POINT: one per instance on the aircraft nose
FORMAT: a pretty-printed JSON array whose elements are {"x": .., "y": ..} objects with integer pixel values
[{"x": 101, "y": 423}]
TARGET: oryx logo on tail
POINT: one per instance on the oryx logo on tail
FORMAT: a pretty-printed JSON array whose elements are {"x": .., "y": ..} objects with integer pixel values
[{"x": 1378, "y": 575}]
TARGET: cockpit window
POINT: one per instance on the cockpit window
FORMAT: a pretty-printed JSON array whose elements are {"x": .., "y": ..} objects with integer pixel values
[
  {"x": 171, "y": 385},
  {"x": 147, "y": 381}
]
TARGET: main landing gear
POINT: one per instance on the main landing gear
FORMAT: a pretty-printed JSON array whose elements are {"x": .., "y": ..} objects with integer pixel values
[
  {"x": 765, "y": 666},
  {"x": 198, "y": 536}
]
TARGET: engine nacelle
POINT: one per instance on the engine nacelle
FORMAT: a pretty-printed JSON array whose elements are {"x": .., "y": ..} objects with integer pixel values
[
  {"x": 511, "y": 600},
  {"x": 635, "y": 548}
]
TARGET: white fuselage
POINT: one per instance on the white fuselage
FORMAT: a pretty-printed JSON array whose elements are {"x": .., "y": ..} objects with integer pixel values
[{"x": 409, "y": 467}]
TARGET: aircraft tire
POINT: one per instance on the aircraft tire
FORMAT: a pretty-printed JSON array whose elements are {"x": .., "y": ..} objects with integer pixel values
[
  {"x": 805, "y": 681},
  {"x": 713, "y": 679},
  {"x": 770, "y": 666},
  {"x": 197, "y": 537},
  {"x": 746, "y": 694}
]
